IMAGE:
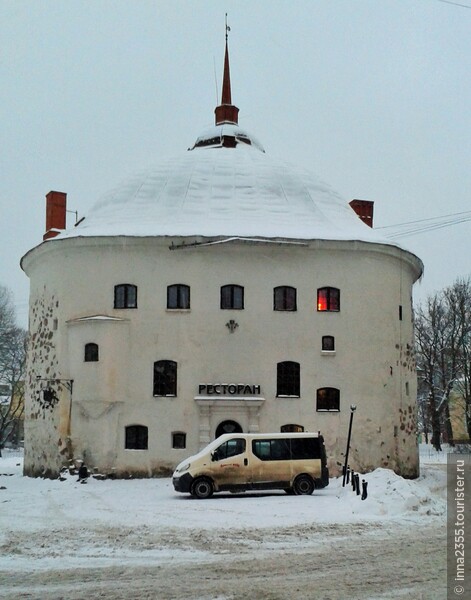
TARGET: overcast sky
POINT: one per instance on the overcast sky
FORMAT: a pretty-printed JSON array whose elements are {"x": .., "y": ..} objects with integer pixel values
[{"x": 374, "y": 96}]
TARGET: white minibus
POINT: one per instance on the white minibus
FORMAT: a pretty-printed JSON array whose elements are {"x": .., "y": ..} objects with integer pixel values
[{"x": 294, "y": 462}]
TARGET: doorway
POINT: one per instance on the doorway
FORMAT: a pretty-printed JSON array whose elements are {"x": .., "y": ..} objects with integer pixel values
[{"x": 228, "y": 427}]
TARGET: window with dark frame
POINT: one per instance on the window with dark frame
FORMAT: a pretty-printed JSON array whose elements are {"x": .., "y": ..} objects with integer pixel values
[
  {"x": 136, "y": 437},
  {"x": 291, "y": 428},
  {"x": 178, "y": 296},
  {"x": 232, "y": 297},
  {"x": 179, "y": 440},
  {"x": 288, "y": 379},
  {"x": 165, "y": 378},
  {"x": 91, "y": 352},
  {"x": 125, "y": 295},
  {"x": 328, "y": 343},
  {"x": 328, "y": 299},
  {"x": 328, "y": 399},
  {"x": 284, "y": 298}
]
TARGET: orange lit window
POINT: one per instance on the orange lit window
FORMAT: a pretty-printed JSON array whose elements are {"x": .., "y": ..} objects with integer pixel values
[{"x": 328, "y": 299}]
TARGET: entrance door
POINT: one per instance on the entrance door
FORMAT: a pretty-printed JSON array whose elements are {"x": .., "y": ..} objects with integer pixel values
[{"x": 228, "y": 427}]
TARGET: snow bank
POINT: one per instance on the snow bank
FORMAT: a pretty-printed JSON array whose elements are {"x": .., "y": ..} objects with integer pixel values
[
  {"x": 32, "y": 504},
  {"x": 50, "y": 524}
]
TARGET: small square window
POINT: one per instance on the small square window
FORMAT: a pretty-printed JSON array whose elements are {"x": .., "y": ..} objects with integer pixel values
[
  {"x": 232, "y": 297},
  {"x": 136, "y": 437},
  {"x": 125, "y": 296},
  {"x": 178, "y": 296},
  {"x": 328, "y": 299},
  {"x": 328, "y": 400},
  {"x": 284, "y": 298},
  {"x": 179, "y": 440},
  {"x": 328, "y": 343},
  {"x": 91, "y": 352}
]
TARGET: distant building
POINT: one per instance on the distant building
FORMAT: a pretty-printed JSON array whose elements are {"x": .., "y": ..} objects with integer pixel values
[
  {"x": 221, "y": 291},
  {"x": 458, "y": 417},
  {"x": 11, "y": 415}
]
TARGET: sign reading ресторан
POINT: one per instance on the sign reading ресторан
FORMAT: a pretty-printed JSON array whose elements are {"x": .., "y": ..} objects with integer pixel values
[{"x": 228, "y": 389}]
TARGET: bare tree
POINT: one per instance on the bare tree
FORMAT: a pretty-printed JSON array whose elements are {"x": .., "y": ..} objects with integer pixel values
[
  {"x": 459, "y": 299},
  {"x": 429, "y": 322},
  {"x": 443, "y": 344},
  {"x": 12, "y": 365}
]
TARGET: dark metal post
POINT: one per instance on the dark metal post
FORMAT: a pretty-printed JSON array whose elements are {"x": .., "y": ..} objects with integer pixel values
[{"x": 352, "y": 409}]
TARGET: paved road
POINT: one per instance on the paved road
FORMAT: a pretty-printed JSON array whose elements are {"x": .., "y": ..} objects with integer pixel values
[{"x": 330, "y": 562}]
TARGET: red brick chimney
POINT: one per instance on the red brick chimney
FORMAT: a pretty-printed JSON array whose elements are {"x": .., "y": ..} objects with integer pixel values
[
  {"x": 364, "y": 209},
  {"x": 56, "y": 206}
]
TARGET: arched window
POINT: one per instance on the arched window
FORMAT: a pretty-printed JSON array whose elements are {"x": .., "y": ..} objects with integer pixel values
[
  {"x": 178, "y": 296},
  {"x": 288, "y": 379},
  {"x": 284, "y": 298},
  {"x": 165, "y": 378},
  {"x": 136, "y": 437},
  {"x": 125, "y": 295},
  {"x": 291, "y": 428},
  {"x": 328, "y": 299},
  {"x": 91, "y": 352},
  {"x": 228, "y": 427},
  {"x": 328, "y": 399},
  {"x": 328, "y": 343},
  {"x": 178, "y": 439},
  {"x": 232, "y": 297}
]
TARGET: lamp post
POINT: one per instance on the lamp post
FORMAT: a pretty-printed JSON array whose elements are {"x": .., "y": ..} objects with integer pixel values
[{"x": 352, "y": 410}]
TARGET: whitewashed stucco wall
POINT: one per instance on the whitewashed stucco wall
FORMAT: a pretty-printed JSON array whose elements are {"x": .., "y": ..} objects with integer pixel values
[{"x": 371, "y": 366}]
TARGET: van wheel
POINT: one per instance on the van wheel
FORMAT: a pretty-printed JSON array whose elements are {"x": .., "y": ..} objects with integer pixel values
[
  {"x": 303, "y": 485},
  {"x": 202, "y": 488}
]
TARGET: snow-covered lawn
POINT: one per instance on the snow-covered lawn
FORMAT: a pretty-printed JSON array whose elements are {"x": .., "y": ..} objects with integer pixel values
[
  {"x": 54, "y": 525},
  {"x": 43, "y": 505}
]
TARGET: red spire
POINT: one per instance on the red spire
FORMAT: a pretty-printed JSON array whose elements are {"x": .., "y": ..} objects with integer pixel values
[
  {"x": 226, "y": 112},
  {"x": 226, "y": 83}
]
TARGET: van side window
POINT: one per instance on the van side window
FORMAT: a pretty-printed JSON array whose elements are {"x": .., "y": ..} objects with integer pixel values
[
  {"x": 277, "y": 449},
  {"x": 287, "y": 449},
  {"x": 305, "y": 448},
  {"x": 229, "y": 448}
]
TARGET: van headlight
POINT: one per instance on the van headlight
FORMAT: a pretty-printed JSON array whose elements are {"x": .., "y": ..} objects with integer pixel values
[{"x": 183, "y": 468}]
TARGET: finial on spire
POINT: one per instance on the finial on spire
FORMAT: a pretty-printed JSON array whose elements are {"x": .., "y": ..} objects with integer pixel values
[
  {"x": 226, "y": 112},
  {"x": 227, "y": 29}
]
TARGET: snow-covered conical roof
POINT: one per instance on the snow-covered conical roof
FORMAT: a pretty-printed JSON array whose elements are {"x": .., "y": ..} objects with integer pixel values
[
  {"x": 224, "y": 186},
  {"x": 214, "y": 190}
]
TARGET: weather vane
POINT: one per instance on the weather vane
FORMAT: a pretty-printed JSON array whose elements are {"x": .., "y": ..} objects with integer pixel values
[{"x": 227, "y": 28}]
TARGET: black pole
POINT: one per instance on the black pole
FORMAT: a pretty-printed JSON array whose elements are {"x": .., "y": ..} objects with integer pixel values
[{"x": 352, "y": 409}]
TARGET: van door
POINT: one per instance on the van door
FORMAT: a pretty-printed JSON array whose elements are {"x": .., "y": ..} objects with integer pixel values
[
  {"x": 271, "y": 464},
  {"x": 230, "y": 465}
]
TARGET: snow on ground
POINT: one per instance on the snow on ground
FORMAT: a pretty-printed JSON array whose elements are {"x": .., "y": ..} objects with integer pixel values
[{"x": 45, "y": 523}]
